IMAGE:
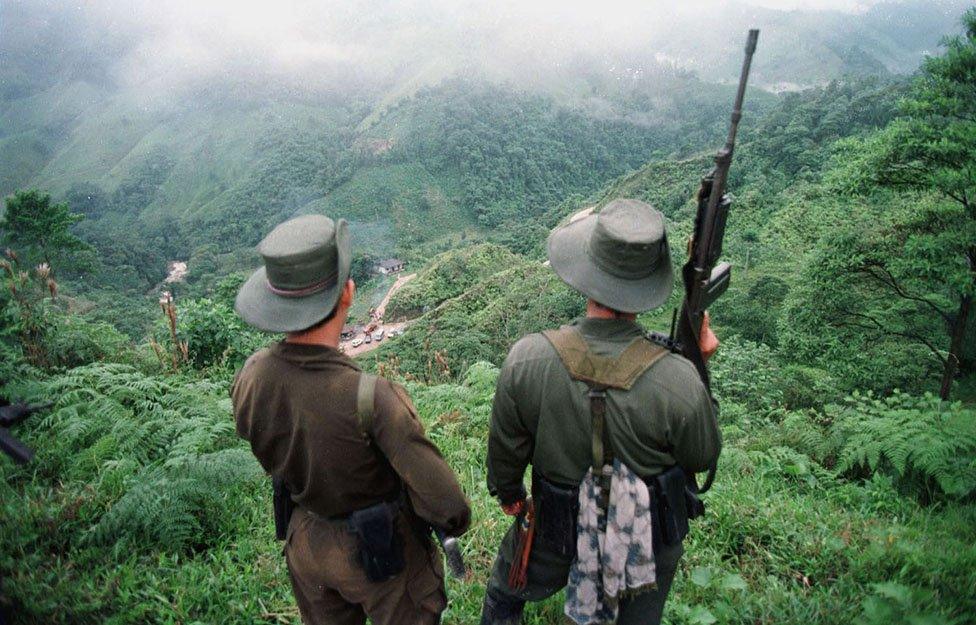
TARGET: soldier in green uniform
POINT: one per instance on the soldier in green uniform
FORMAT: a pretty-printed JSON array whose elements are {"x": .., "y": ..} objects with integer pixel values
[
  {"x": 366, "y": 482},
  {"x": 658, "y": 413}
]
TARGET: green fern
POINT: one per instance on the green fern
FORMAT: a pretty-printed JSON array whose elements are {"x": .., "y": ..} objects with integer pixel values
[
  {"x": 925, "y": 442},
  {"x": 171, "y": 506},
  {"x": 160, "y": 453}
]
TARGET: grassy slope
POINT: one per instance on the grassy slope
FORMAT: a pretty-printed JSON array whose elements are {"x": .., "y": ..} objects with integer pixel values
[
  {"x": 448, "y": 275},
  {"x": 784, "y": 540},
  {"x": 419, "y": 205}
]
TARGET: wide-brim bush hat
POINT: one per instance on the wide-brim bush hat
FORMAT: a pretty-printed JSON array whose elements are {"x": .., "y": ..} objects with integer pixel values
[
  {"x": 306, "y": 266},
  {"x": 618, "y": 257}
]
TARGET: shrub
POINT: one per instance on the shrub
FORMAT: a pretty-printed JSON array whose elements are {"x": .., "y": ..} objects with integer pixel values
[
  {"x": 215, "y": 336},
  {"x": 72, "y": 341},
  {"x": 746, "y": 372},
  {"x": 807, "y": 387},
  {"x": 155, "y": 457}
]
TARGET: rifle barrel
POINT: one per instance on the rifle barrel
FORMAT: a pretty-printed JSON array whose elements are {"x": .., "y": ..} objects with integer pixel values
[
  {"x": 724, "y": 157},
  {"x": 743, "y": 78}
]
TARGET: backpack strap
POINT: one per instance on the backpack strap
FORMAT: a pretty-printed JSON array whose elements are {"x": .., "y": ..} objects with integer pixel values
[{"x": 365, "y": 398}]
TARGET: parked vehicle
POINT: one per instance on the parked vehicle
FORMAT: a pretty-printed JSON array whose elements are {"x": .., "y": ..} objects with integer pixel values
[
  {"x": 368, "y": 338},
  {"x": 356, "y": 342},
  {"x": 378, "y": 335}
]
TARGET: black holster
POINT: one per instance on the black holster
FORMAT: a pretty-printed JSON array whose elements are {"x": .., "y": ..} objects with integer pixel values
[
  {"x": 283, "y": 507},
  {"x": 380, "y": 544},
  {"x": 677, "y": 502},
  {"x": 557, "y": 509}
]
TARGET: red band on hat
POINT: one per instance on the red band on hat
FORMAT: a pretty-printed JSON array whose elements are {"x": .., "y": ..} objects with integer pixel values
[{"x": 304, "y": 291}]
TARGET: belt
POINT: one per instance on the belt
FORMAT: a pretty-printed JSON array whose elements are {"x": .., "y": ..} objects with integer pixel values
[{"x": 396, "y": 503}]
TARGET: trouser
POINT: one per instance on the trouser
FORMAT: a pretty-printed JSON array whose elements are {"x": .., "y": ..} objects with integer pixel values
[
  {"x": 331, "y": 587},
  {"x": 548, "y": 573}
]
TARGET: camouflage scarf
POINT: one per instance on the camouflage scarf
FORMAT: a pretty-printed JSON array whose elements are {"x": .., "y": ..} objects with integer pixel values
[{"x": 617, "y": 560}]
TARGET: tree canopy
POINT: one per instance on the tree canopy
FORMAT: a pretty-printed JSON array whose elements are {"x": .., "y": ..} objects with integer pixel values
[{"x": 41, "y": 229}]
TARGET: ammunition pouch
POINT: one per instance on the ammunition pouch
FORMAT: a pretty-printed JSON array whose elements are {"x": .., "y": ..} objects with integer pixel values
[
  {"x": 677, "y": 502},
  {"x": 674, "y": 501},
  {"x": 380, "y": 544},
  {"x": 283, "y": 506},
  {"x": 557, "y": 509}
]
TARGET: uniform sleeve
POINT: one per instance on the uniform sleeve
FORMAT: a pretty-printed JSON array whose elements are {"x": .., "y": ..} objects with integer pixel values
[
  {"x": 696, "y": 438},
  {"x": 433, "y": 488},
  {"x": 509, "y": 441}
]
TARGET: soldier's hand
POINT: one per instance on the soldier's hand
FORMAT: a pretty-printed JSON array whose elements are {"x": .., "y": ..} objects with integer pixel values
[
  {"x": 515, "y": 508},
  {"x": 707, "y": 341}
]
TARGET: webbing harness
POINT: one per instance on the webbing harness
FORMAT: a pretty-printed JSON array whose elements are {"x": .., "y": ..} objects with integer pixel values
[
  {"x": 365, "y": 399},
  {"x": 365, "y": 402},
  {"x": 601, "y": 373}
]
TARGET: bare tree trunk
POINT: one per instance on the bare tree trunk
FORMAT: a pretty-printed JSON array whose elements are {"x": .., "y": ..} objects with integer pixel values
[{"x": 955, "y": 346}]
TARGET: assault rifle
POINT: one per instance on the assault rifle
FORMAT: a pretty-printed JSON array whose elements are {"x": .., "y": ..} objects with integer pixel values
[{"x": 704, "y": 277}]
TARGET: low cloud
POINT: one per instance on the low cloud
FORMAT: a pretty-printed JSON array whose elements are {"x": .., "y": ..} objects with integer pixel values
[{"x": 359, "y": 42}]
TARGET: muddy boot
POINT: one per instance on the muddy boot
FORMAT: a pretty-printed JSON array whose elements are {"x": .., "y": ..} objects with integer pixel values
[{"x": 501, "y": 610}]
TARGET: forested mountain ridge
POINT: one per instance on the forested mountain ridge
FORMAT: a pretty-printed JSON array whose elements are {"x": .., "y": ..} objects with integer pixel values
[
  {"x": 788, "y": 214},
  {"x": 218, "y": 157},
  {"x": 808, "y": 47}
]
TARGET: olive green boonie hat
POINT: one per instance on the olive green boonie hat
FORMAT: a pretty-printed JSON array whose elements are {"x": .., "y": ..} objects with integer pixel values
[
  {"x": 618, "y": 257},
  {"x": 306, "y": 266}
]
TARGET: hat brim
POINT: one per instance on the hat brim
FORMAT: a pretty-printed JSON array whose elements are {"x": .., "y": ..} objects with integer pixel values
[
  {"x": 260, "y": 307},
  {"x": 569, "y": 259}
]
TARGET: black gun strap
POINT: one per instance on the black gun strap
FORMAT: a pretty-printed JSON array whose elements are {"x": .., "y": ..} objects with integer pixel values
[
  {"x": 19, "y": 452},
  {"x": 691, "y": 350}
]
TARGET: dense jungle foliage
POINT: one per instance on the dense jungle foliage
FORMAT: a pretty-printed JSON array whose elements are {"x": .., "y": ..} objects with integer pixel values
[{"x": 846, "y": 377}]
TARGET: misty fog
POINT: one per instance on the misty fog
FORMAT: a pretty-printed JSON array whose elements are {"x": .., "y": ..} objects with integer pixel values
[{"x": 368, "y": 45}]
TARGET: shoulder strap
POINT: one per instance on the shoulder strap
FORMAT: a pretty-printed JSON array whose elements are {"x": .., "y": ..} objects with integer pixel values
[
  {"x": 620, "y": 372},
  {"x": 365, "y": 398}
]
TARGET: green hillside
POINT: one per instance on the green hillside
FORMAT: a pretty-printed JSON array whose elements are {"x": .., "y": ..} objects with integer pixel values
[
  {"x": 846, "y": 375},
  {"x": 123, "y": 490},
  {"x": 448, "y": 275}
]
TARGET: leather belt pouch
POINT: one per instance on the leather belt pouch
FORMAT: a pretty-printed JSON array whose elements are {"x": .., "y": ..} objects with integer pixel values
[
  {"x": 669, "y": 490},
  {"x": 380, "y": 544},
  {"x": 557, "y": 508},
  {"x": 283, "y": 507}
]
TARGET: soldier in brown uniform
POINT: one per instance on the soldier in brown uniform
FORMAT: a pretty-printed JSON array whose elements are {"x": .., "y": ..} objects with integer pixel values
[{"x": 366, "y": 482}]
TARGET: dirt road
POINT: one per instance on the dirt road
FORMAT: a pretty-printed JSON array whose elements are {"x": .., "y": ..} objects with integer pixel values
[
  {"x": 381, "y": 309},
  {"x": 347, "y": 347}
]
